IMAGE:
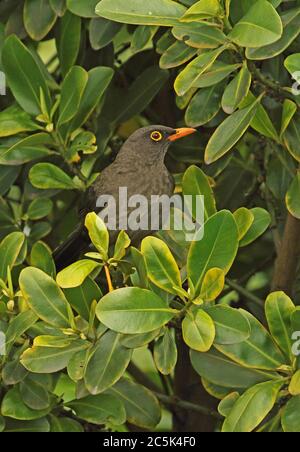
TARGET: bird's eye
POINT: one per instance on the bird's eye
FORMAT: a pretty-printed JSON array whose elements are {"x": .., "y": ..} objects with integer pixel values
[{"x": 156, "y": 136}]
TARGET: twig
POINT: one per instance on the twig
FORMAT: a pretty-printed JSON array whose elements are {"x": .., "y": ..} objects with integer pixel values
[
  {"x": 108, "y": 278},
  {"x": 178, "y": 403},
  {"x": 245, "y": 292}
]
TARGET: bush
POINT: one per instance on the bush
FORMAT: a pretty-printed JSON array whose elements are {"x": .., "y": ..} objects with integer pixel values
[{"x": 219, "y": 346}]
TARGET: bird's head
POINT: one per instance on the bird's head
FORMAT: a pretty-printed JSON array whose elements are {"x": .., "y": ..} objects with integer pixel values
[{"x": 152, "y": 142}]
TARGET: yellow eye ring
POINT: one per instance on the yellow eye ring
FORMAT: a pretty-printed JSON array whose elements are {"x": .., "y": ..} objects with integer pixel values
[{"x": 156, "y": 136}]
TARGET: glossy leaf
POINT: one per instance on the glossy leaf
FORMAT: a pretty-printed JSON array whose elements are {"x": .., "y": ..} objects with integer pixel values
[
  {"x": 107, "y": 363},
  {"x": 229, "y": 132},
  {"x": 132, "y": 310},
  {"x": 279, "y": 308},
  {"x": 236, "y": 90},
  {"x": 218, "y": 248},
  {"x": 49, "y": 176},
  {"x": 231, "y": 325},
  {"x": 199, "y": 35},
  {"x": 39, "y": 18},
  {"x": 259, "y": 27},
  {"x": 252, "y": 407},
  {"x": 165, "y": 352},
  {"x": 74, "y": 275},
  {"x": 98, "y": 233},
  {"x": 45, "y": 297},
  {"x": 161, "y": 266},
  {"x": 71, "y": 93},
  {"x": 13, "y": 407},
  {"x": 204, "y": 106},
  {"x": 10, "y": 249},
  {"x": 260, "y": 224},
  {"x": 159, "y": 12},
  {"x": 198, "y": 330},
  {"x": 203, "y": 9},
  {"x": 290, "y": 416},
  {"x": 244, "y": 219}
]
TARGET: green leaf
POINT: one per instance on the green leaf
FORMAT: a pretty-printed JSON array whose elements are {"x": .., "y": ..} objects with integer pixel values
[
  {"x": 13, "y": 406},
  {"x": 48, "y": 176},
  {"x": 261, "y": 222},
  {"x": 216, "y": 73},
  {"x": 59, "y": 6},
  {"x": 294, "y": 387},
  {"x": 199, "y": 35},
  {"x": 14, "y": 120},
  {"x": 261, "y": 121},
  {"x": 195, "y": 183},
  {"x": 81, "y": 298},
  {"x": 65, "y": 425},
  {"x": 159, "y": 12},
  {"x": 190, "y": 75},
  {"x": 288, "y": 111},
  {"x": 71, "y": 93},
  {"x": 222, "y": 371},
  {"x": 291, "y": 137},
  {"x": 236, "y": 90},
  {"x": 204, "y": 106},
  {"x": 229, "y": 132},
  {"x": 18, "y": 326},
  {"x": 165, "y": 352},
  {"x": 142, "y": 37},
  {"x": 244, "y": 219},
  {"x": 107, "y": 363},
  {"x": 98, "y": 233},
  {"x": 213, "y": 284},
  {"x": 75, "y": 274},
  {"x": 24, "y": 76},
  {"x": 41, "y": 257},
  {"x": 161, "y": 266},
  {"x": 198, "y": 330},
  {"x": 226, "y": 404},
  {"x": 290, "y": 417},
  {"x": 83, "y": 8},
  {"x": 142, "y": 407},
  {"x": 132, "y": 310},
  {"x": 290, "y": 20},
  {"x": 122, "y": 243},
  {"x": 44, "y": 297},
  {"x": 139, "y": 340},
  {"x": 10, "y": 249},
  {"x": 44, "y": 360},
  {"x": 252, "y": 407},
  {"x": 68, "y": 49},
  {"x": 40, "y": 425},
  {"x": 292, "y": 63},
  {"x": 39, "y": 18},
  {"x": 258, "y": 351},
  {"x": 232, "y": 326},
  {"x": 39, "y": 208},
  {"x": 27, "y": 149},
  {"x": 8, "y": 176},
  {"x": 102, "y": 32},
  {"x": 292, "y": 197},
  {"x": 99, "y": 409},
  {"x": 34, "y": 390},
  {"x": 279, "y": 308},
  {"x": 259, "y": 27},
  {"x": 203, "y": 9},
  {"x": 176, "y": 55},
  {"x": 140, "y": 93},
  {"x": 99, "y": 79},
  {"x": 218, "y": 248}
]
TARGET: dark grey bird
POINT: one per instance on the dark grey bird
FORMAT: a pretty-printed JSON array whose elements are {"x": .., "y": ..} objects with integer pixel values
[{"x": 140, "y": 167}]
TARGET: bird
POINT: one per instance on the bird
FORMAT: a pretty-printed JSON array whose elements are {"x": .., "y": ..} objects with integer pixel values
[{"x": 140, "y": 168}]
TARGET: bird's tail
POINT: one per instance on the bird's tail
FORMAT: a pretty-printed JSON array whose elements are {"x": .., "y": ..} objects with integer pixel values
[{"x": 69, "y": 251}]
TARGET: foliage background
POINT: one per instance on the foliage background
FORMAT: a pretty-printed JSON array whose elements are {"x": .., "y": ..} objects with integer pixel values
[{"x": 79, "y": 83}]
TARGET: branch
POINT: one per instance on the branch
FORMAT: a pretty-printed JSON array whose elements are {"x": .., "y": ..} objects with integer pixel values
[
  {"x": 178, "y": 403},
  {"x": 288, "y": 257},
  {"x": 250, "y": 296}
]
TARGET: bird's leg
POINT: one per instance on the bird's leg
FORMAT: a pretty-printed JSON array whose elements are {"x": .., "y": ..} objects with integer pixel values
[{"x": 108, "y": 278}]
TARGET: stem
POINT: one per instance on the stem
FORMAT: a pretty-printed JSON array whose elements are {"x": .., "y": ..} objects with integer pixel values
[
  {"x": 108, "y": 278},
  {"x": 268, "y": 83},
  {"x": 244, "y": 292},
  {"x": 288, "y": 257},
  {"x": 178, "y": 403}
]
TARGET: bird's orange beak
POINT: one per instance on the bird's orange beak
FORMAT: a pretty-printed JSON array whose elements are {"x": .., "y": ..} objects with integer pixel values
[{"x": 180, "y": 133}]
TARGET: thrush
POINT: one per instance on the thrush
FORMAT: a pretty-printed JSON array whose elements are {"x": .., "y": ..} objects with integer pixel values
[{"x": 140, "y": 168}]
